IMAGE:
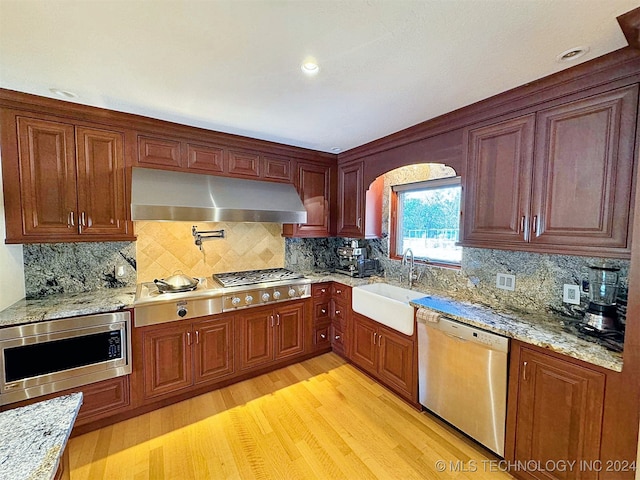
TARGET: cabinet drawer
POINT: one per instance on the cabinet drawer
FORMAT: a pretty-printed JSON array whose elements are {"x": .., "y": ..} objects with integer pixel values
[
  {"x": 340, "y": 312},
  {"x": 159, "y": 151},
  {"x": 321, "y": 336},
  {"x": 321, "y": 290},
  {"x": 322, "y": 312},
  {"x": 337, "y": 340},
  {"x": 341, "y": 292},
  {"x": 103, "y": 398}
]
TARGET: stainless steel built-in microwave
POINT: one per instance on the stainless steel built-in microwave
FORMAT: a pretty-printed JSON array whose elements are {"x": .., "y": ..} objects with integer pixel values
[{"x": 50, "y": 356}]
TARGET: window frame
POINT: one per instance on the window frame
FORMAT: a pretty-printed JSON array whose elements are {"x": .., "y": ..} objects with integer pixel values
[{"x": 393, "y": 220}]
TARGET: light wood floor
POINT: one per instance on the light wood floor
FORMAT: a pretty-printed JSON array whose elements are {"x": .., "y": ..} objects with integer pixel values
[{"x": 319, "y": 419}]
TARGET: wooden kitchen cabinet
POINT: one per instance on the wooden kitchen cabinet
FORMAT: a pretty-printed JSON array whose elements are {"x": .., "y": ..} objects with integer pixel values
[
  {"x": 313, "y": 183},
  {"x": 179, "y": 355},
  {"x": 556, "y": 181},
  {"x": 65, "y": 182},
  {"x": 555, "y": 412},
  {"x": 385, "y": 354},
  {"x": 321, "y": 295},
  {"x": 266, "y": 335},
  {"x": 340, "y": 318},
  {"x": 359, "y": 205}
]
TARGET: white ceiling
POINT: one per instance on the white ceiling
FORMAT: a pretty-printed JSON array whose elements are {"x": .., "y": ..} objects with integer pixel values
[{"x": 234, "y": 65}]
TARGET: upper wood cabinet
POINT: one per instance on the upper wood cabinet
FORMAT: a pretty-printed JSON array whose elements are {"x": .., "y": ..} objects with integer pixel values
[
  {"x": 63, "y": 182},
  {"x": 557, "y": 181},
  {"x": 359, "y": 205},
  {"x": 314, "y": 186},
  {"x": 209, "y": 158},
  {"x": 555, "y": 413}
]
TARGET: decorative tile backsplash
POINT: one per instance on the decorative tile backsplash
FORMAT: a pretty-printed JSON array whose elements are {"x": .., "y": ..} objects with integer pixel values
[
  {"x": 165, "y": 247},
  {"x": 77, "y": 267}
]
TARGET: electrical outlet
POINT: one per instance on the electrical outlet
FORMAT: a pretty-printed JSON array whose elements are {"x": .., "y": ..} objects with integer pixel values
[
  {"x": 504, "y": 281},
  {"x": 571, "y": 294},
  {"x": 119, "y": 270}
]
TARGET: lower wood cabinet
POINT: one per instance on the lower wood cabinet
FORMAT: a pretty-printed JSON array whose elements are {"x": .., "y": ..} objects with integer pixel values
[
  {"x": 386, "y": 354},
  {"x": 270, "y": 334},
  {"x": 178, "y": 355},
  {"x": 555, "y": 413}
]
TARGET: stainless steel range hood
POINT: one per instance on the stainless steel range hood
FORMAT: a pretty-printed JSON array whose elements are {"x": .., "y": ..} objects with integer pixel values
[{"x": 175, "y": 196}]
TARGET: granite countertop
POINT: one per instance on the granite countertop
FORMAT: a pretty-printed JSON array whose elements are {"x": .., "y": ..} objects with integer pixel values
[
  {"x": 34, "y": 437},
  {"x": 65, "y": 305},
  {"x": 543, "y": 329}
]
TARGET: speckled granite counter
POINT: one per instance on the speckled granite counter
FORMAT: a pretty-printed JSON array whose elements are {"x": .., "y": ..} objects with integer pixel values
[
  {"x": 34, "y": 437},
  {"x": 543, "y": 329},
  {"x": 67, "y": 305}
]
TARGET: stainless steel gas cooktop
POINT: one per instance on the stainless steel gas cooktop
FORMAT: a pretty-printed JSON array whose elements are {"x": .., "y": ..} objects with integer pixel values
[{"x": 222, "y": 293}]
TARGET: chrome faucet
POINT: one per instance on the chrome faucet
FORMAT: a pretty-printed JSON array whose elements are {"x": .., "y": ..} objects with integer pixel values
[{"x": 413, "y": 276}]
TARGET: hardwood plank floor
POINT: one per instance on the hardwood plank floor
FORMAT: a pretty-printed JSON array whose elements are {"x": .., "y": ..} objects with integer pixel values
[{"x": 318, "y": 419}]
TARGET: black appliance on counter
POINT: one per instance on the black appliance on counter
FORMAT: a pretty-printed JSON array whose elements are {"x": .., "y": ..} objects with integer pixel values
[{"x": 354, "y": 262}]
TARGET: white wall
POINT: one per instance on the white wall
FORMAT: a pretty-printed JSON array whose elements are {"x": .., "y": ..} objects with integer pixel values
[{"x": 11, "y": 267}]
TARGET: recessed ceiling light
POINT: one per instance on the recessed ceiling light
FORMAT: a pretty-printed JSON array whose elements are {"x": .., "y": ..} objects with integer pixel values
[
  {"x": 310, "y": 66},
  {"x": 63, "y": 93},
  {"x": 336, "y": 149},
  {"x": 572, "y": 54}
]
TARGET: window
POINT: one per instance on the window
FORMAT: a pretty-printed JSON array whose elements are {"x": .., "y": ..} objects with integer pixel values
[{"x": 426, "y": 219}]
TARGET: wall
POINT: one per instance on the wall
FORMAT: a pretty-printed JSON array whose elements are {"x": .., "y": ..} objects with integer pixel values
[
  {"x": 11, "y": 270},
  {"x": 165, "y": 247}
]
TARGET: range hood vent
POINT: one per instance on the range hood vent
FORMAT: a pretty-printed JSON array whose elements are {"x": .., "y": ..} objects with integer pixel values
[{"x": 175, "y": 196}]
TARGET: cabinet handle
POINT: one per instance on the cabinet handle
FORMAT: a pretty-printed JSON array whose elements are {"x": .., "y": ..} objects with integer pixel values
[
  {"x": 337, "y": 337},
  {"x": 535, "y": 224},
  {"x": 324, "y": 311},
  {"x": 358, "y": 222},
  {"x": 339, "y": 292},
  {"x": 278, "y": 317},
  {"x": 379, "y": 340},
  {"x": 197, "y": 336},
  {"x": 83, "y": 221},
  {"x": 522, "y": 223},
  {"x": 323, "y": 336},
  {"x": 524, "y": 371},
  {"x": 337, "y": 312},
  {"x": 188, "y": 338},
  {"x": 71, "y": 220},
  {"x": 323, "y": 290},
  {"x": 375, "y": 335},
  {"x": 272, "y": 322}
]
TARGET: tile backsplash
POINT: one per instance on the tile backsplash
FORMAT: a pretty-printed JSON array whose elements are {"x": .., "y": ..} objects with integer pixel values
[{"x": 165, "y": 247}]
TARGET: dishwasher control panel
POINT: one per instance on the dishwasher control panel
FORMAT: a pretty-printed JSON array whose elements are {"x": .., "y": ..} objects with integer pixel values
[{"x": 468, "y": 333}]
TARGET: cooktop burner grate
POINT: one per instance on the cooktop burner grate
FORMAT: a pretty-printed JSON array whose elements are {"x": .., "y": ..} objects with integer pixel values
[{"x": 251, "y": 277}]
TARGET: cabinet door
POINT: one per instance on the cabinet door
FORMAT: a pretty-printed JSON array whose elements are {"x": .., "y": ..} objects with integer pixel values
[
  {"x": 167, "y": 359},
  {"x": 158, "y": 152},
  {"x": 396, "y": 363},
  {"x": 101, "y": 198},
  {"x": 559, "y": 416},
  {"x": 498, "y": 181},
  {"x": 314, "y": 189},
  {"x": 289, "y": 330},
  {"x": 277, "y": 169},
  {"x": 364, "y": 345},
  {"x": 244, "y": 164},
  {"x": 205, "y": 158},
  {"x": 48, "y": 177},
  {"x": 103, "y": 399},
  {"x": 255, "y": 337},
  {"x": 350, "y": 200},
  {"x": 583, "y": 171},
  {"x": 213, "y": 349}
]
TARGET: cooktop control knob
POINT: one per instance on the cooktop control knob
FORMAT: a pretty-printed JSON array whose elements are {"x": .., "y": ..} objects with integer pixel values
[
  {"x": 276, "y": 295},
  {"x": 292, "y": 292},
  {"x": 265, "y": 297},
  {"x": 248, "y": 299},
  {"x": 235, "y": 301},
  {"x": 182, "y": 311}
]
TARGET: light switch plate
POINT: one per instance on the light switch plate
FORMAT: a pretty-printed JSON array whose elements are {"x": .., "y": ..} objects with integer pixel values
[
  {"x": 571, "y": 294},
  {"x": 504, "y": 281}
]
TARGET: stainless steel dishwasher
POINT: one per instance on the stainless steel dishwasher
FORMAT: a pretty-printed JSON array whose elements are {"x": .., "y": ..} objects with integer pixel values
[{"x": 462, "y": 376}]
